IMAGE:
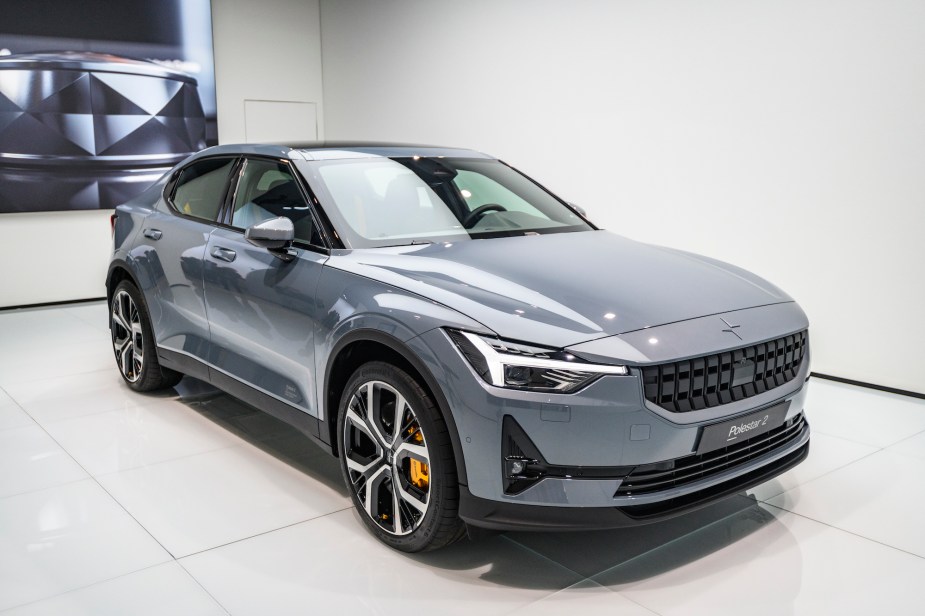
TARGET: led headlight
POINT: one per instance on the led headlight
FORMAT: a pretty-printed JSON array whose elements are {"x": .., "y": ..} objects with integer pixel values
[{"x": 520, "y": 366}]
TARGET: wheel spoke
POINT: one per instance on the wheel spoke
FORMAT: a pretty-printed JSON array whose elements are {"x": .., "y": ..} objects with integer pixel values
[
  {"x": 406, "y": 432},
  {"x": 399, "y": 412},
  {"x": 125, "y": 310},
  {"x": 364, "y": 476},
  {"x": 126, "y": 359},
  {"x": 371, "y": 503},
  {"x": 117, "y": 317},
  {"x": 361, "y": 424},
  {"x": 137, "y": 346},
  {"x": 396, "y": 508},
  {"x": 369, "y": 400},
  {"x": 120, "y": 346},
  {"x": 410, "y": 450},
  {"x": 373, "y": 413},
  {"x": 409, "y": 498},
  {"x": 363, "y": 470}
]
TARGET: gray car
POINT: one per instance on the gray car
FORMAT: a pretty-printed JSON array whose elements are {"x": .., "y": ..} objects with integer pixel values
[{"x": 473, "y": 349}]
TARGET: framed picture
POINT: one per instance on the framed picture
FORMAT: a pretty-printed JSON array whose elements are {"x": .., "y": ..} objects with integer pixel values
[{"x": 99, "y": 99}]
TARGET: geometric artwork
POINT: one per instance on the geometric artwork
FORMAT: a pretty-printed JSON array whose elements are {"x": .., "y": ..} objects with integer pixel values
[
  {"x": 82, "y": 130},
  {"x": 98, "y": 99}
]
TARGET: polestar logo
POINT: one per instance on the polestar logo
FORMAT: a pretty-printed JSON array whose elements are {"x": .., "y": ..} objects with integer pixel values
[{"x": 732, "y": 328}]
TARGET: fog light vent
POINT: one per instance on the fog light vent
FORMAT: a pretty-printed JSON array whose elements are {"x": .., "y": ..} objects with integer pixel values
[{"x": 522, "y": 464}]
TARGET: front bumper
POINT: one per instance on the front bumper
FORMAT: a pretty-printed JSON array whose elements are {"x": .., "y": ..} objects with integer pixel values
[
  {"x": 500, "y": 515},
  {"x": 607, "y": 426}
]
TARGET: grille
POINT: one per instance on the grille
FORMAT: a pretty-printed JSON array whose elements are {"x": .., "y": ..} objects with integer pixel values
[
  {"x": 648, "y": 478},
  {"x": 712, "y": 380}
]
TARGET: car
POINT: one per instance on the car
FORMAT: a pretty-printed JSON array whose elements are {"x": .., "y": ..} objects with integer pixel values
[{"x": 475, "y": 351}]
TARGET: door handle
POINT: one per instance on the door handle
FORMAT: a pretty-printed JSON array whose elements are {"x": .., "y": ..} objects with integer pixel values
[
  {"x": 225, "y": 254},
  {"x": 154, "y": 234}
]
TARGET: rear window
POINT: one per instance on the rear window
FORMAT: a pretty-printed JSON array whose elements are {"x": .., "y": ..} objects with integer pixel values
[{"x": 201, "y": 188}]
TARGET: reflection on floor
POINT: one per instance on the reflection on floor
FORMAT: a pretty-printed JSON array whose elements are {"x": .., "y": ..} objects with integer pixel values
[{"x": 193, "y": 503}]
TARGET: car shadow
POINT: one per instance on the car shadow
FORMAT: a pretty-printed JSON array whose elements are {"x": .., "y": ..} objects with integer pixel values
[
  {"x": 620, "y": 556},
  {"x": 623, "y": 556},
  {"x": 262, "y": 430}
]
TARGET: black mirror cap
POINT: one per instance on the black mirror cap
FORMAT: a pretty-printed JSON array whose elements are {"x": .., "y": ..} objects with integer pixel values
[{"x": 272, "y": 234}]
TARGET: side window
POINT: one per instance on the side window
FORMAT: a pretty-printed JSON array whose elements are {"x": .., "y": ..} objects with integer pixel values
[
  {"x": 201, "y": 187},
  {"x": 267, "y": 190}
]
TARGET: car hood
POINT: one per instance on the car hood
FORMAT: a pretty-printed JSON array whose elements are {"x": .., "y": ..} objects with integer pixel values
[{"x": 565, "y": 288}]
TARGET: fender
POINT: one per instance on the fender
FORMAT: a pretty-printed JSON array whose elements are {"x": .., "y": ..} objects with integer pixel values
[
  {"x": 401, "y": 348},
  {"x": 114, "y": 265}
]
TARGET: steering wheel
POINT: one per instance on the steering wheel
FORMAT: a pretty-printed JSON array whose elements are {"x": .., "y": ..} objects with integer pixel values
[{"x": 480, "y": 211}]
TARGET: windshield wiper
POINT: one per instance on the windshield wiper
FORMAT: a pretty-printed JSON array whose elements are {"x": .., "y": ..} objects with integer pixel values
[{"x": 412, "y": 243}]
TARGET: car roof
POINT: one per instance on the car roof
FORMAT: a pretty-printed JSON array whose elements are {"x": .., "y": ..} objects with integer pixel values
[{"x": 322, "y": 150}]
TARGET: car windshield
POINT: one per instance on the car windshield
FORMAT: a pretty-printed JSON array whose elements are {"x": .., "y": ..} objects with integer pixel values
[{"x": 398, "y": 201}]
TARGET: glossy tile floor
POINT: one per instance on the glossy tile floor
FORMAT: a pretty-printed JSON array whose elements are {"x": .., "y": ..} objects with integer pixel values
[{"x": 189, "y": 502}]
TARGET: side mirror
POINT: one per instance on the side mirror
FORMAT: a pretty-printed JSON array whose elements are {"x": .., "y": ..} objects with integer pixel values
[
  {"x": 579, "y": 209},
  {"x": 273, "y": 234}
]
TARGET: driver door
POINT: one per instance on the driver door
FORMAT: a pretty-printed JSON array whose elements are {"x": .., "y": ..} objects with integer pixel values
[{"x": 261, "y": 308}]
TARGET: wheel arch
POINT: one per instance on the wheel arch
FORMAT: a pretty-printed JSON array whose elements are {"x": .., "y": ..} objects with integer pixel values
[
  {"x": 360, "y": 346},
  {"x": 119, "y": 270}
]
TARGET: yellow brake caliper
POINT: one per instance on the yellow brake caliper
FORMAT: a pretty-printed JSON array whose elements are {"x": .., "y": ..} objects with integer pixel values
[{"x": 419, "y": 471}]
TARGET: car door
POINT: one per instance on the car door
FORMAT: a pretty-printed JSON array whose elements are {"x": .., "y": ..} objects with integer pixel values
[
  {"x": 173, "y": 243},
  {"x": 260, "y": 307}
]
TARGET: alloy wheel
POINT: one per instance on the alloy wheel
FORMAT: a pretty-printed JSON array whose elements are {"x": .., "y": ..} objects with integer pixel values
[
  {"x": 127, "y": 338},
  {"x": 386, "y": 455}
]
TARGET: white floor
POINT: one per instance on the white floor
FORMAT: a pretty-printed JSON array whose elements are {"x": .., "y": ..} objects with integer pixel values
[{"x": 113, "y": 502}]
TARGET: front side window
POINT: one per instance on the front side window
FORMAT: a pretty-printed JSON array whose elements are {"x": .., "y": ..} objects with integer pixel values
[
  {"x": 267, "y": 189},
  {"x": 201, "y": 186},
  {"x": 381, "y": 201}
]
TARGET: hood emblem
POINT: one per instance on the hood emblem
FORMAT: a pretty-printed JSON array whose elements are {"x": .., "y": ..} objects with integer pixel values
[{"x": 732, "y": 328}]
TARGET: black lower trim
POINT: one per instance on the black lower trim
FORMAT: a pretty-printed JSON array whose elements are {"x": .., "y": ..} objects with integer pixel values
[
  {"x": 59, "y": 303},
  {"x": 498, "y": 515},
  {"x": 696, "y": 500},
  {"x": 890, "y": 390},
  {"x": 655, "y": 478},
  {"x": 183, "y": 363},
  {"x": 298, "y": 419}
]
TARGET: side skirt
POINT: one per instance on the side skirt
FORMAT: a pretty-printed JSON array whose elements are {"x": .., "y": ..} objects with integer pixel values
[{"x": 298, "y": 419}]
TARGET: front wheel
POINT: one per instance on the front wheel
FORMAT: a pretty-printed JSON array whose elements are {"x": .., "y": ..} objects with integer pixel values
[{"x": 397, "y": 459}]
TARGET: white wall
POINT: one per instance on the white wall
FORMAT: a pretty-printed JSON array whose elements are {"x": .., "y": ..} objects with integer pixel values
[
  {"x": 787, "y": 137},
  {"x": 264, "y": 51},
  {"x": 268, "y": 50},
  {"x": 53, "y": 256}
]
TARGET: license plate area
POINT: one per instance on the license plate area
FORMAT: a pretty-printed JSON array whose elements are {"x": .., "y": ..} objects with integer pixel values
[{"x": 732, "y": 431}]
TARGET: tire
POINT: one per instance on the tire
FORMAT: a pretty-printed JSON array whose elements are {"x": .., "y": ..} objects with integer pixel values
[
  {"x": 418, "y": 460},
  {"x": 130, "y": 329}
]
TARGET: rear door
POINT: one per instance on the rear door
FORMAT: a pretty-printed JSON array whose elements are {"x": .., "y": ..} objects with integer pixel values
[
  {"x": 173, "y": 243},
  {"x": 260, "y": 307}
]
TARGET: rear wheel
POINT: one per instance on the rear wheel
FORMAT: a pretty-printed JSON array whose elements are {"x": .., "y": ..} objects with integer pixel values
[
  {"x": 397, "y": 460},
  {"x": 133, "y": 341}
]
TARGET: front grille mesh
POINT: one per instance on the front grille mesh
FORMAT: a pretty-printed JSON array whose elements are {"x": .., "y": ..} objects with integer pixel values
[
  {"x": 648, "y": 478},
  {"x": 712, "y": 380}
]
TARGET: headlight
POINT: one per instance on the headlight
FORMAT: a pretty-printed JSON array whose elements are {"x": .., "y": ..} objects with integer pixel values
[{"x": 520, "y": 366}]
